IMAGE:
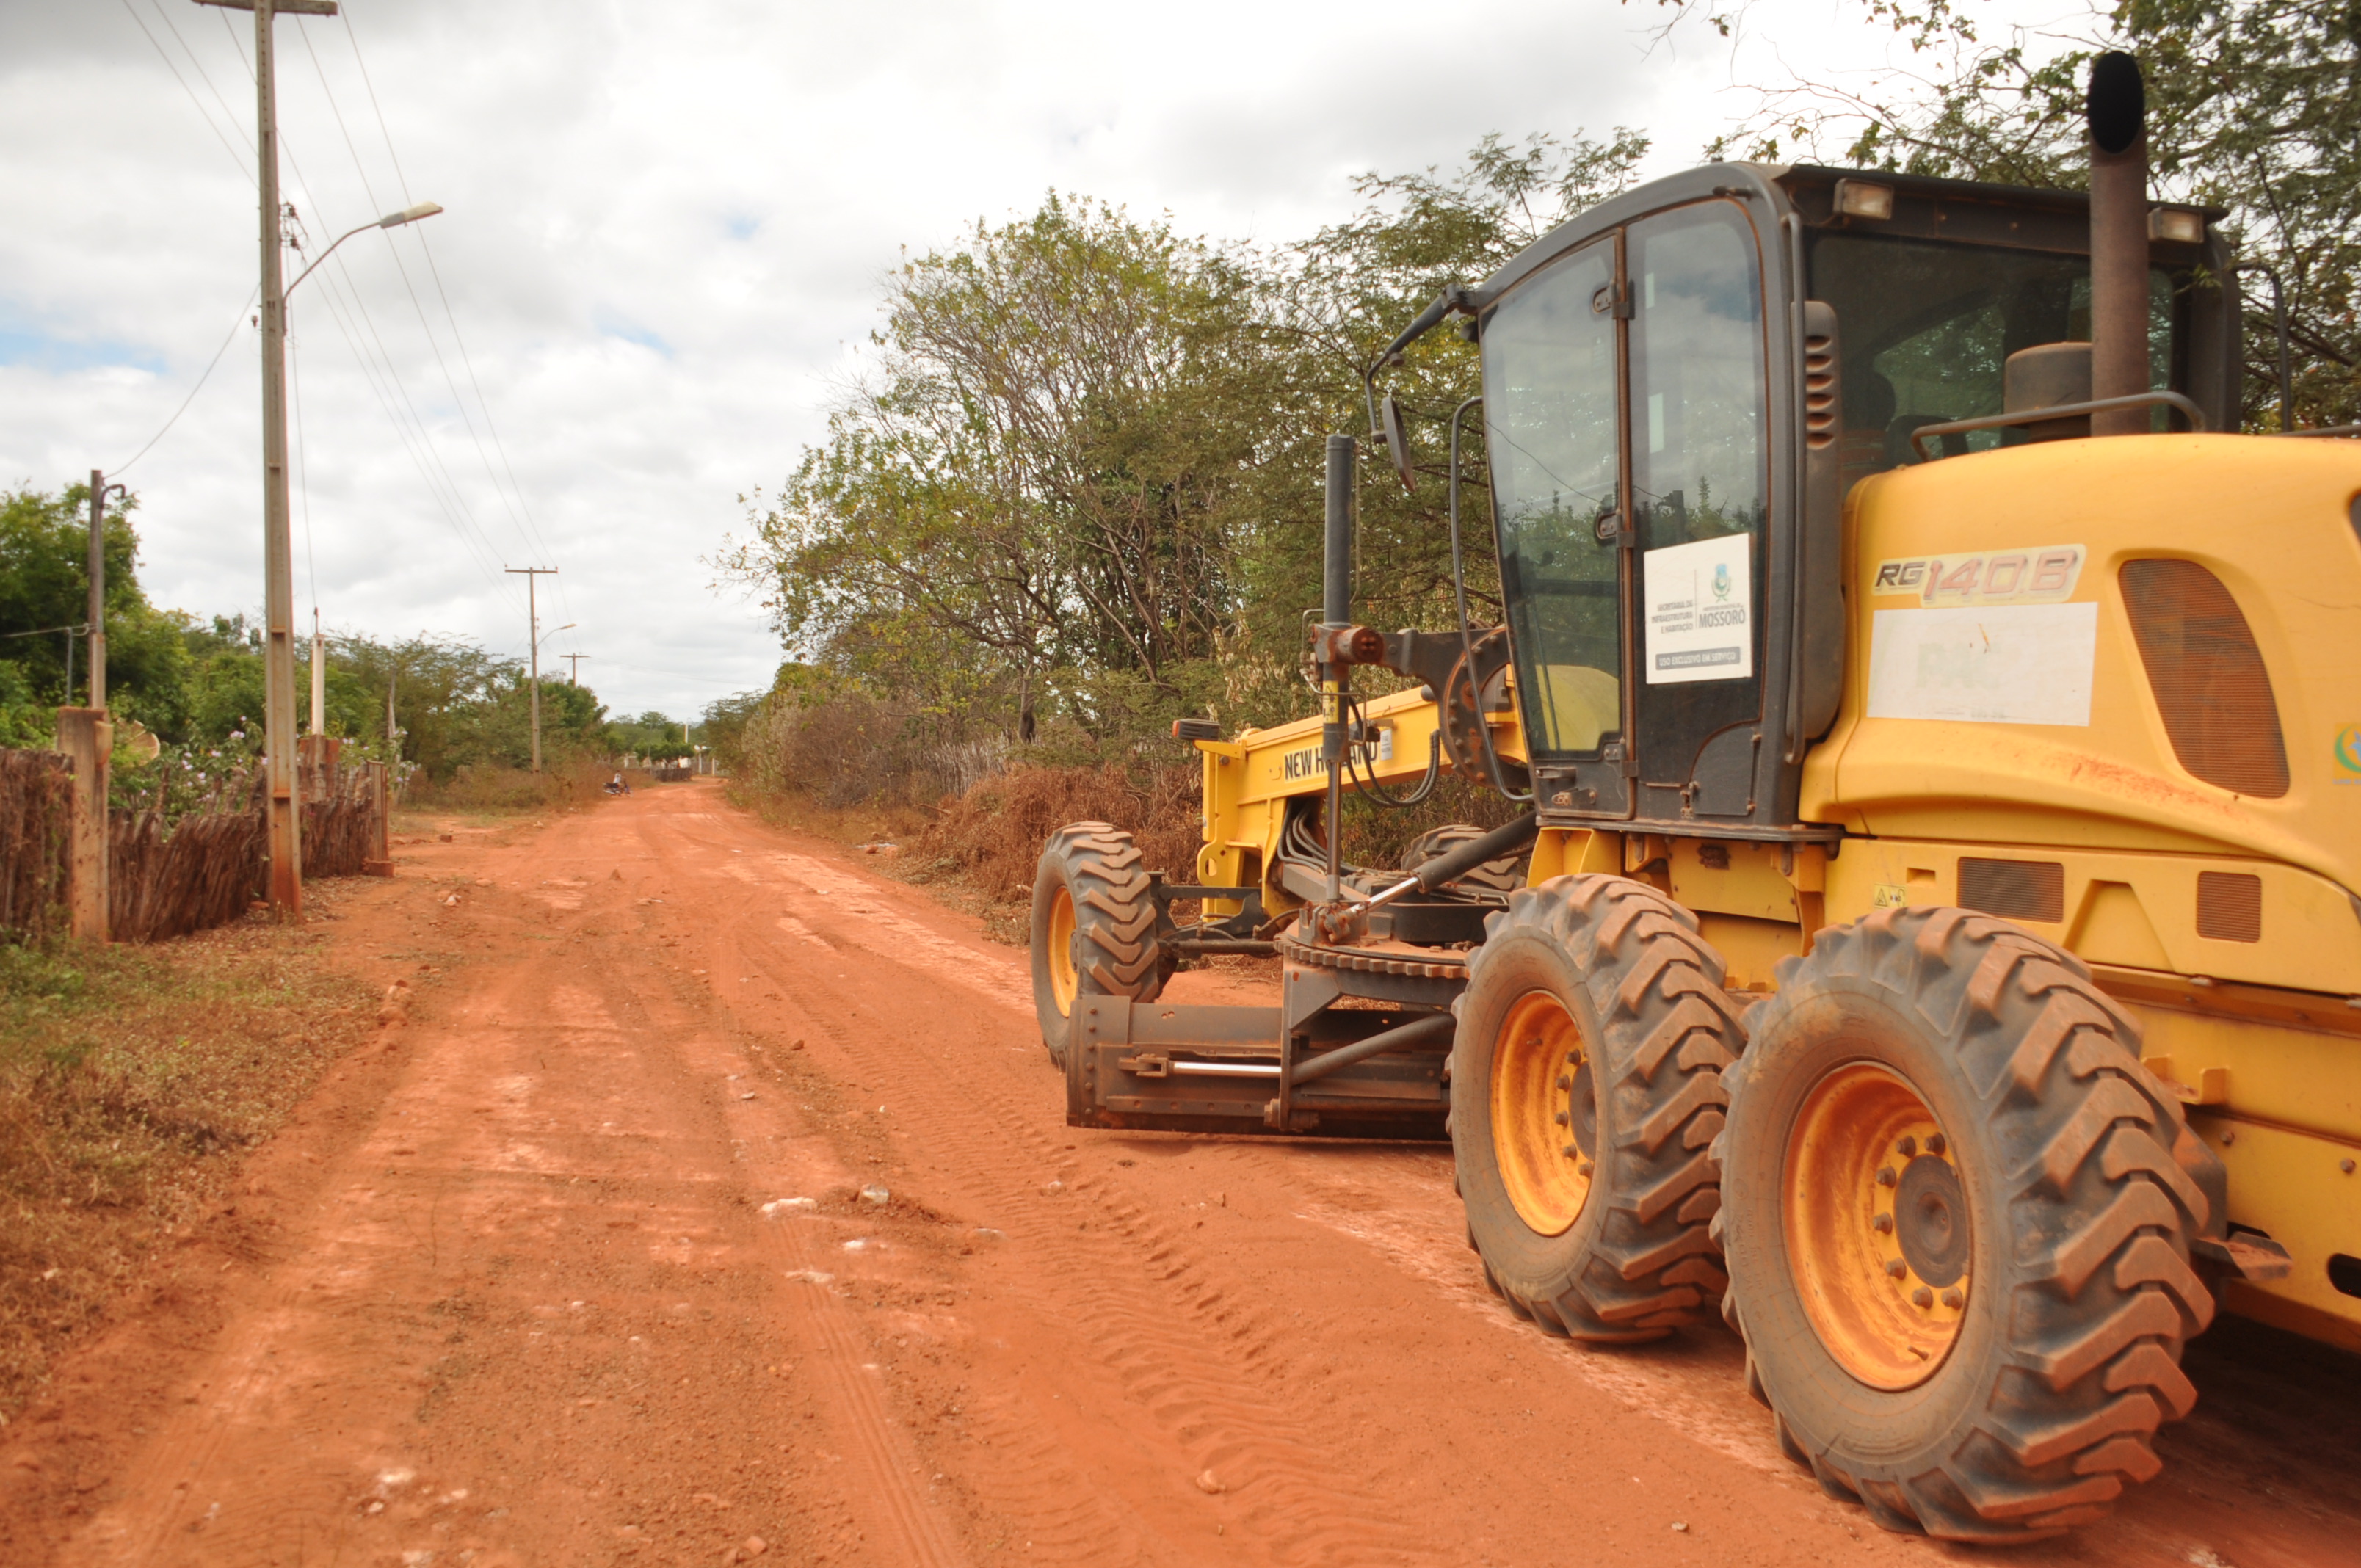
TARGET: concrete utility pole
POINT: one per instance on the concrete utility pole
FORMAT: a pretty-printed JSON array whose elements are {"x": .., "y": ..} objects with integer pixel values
[
  {"x": 573, "y": 667},
  {"x": 319, "y": 678},
  {"x": 278, "y": 549},
  {"x": 99, "y": 491},
  {"x": 532, "y": 576}
]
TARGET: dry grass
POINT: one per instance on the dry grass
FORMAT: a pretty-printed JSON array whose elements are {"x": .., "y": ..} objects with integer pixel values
[
  {"x": 132, "y": 1080},
  {"x": 487, "y": 787},
  {"x": 994, "y": 833},
  {"x": 801, "y": 811}
]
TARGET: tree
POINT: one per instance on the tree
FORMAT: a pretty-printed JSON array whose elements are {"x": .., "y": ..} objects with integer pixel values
[
  {"x": 45, "y": 583},
  {"x": 1036, "y": 484},
  {"x": 2253, "y": 105}
]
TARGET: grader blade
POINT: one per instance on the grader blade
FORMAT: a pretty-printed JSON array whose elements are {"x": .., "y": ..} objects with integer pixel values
[{"x": 1181, "y": 1067}]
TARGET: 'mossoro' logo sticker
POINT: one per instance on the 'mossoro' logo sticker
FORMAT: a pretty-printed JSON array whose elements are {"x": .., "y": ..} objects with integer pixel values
[{"x": 2348, "y": 754}]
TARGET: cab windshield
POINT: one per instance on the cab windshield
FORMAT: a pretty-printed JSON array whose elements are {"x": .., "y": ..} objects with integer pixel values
[{"x": 1925, "y": 328}]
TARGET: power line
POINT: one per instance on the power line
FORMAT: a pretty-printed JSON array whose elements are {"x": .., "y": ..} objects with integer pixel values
[
  {"x": 251, "y": 295},
  {"x": 244, "y": 168},
  {"x": 395, "y": 250},
  {"x": 442, "y": 293},
  {"x": 303, "y": 469},
  {"x": 393, "y": 395}
]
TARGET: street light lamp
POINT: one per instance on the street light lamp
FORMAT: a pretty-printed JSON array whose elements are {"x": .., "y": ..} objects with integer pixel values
[{"x": 390, "y": 221}]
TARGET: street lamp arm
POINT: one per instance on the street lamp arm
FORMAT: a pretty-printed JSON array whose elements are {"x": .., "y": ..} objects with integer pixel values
[{"x": 390, "y": 221}]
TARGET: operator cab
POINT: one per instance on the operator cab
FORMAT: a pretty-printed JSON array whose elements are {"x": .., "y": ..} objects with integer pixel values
[{"x": 1681, "y": 385}]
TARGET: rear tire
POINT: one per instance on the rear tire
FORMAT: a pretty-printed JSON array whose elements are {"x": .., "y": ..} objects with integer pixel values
[
  {"x": 1503, "y": 876},
  {"x": 1584, "y": 1088},
  {"x": 1956, "y": 1229},
  {"x": 1093, "y": 927}
]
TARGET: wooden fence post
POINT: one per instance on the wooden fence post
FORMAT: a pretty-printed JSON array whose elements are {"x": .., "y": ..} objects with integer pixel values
[
  {"x": 381, "y": 859},
  {"x": 88, "y": 741}
]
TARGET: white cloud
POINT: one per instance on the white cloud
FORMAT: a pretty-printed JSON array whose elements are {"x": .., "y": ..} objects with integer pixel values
[{"x": 665, "y": 224}]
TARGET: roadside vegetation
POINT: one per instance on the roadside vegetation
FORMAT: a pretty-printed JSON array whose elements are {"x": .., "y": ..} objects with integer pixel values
[
  {"x": 132, "y": 1081},
  {"x": 453, "y": 717}
]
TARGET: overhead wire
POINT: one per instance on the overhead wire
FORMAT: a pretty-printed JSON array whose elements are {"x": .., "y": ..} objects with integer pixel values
[
  {"x": 244, "y": 165},
  {"x": 302, "y": 465},
  {"x": 427, "y": 249},
  {"x": 458, "y": 401},
  {"x": 387, "y": 383},
  {"x": 252, "y": 295}
]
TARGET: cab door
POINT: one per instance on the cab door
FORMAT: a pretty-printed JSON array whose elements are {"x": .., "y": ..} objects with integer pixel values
[
  {"x": 1698, "y": 412},
  {"x": 1553, "y": 427}
]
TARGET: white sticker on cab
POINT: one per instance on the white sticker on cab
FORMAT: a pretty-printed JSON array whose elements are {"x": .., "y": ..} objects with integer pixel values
[{"x": 2028, "y": 663}]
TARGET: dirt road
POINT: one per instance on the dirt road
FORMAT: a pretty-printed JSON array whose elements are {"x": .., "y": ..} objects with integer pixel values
[{"x": 575, "y": 1268}]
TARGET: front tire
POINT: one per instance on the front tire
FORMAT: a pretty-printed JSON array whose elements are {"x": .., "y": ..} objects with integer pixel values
[
  {"x": 1956, "y": 1229},
  {"x": 1093, "y": 926},
  {"x": 1584, "y": 1088}
]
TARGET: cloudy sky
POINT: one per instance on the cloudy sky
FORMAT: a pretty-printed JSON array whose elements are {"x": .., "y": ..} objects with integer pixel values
[{"x": 664, "y": 228}]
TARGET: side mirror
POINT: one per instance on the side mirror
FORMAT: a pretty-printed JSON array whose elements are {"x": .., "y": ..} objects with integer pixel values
[{"x": 1389, "y": 414}]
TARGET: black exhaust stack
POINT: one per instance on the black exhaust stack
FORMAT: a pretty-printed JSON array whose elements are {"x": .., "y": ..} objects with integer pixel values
[{"x": 2117, "y": 107}]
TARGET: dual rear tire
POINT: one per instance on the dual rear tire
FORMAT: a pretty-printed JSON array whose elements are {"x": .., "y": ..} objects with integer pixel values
[
  {"x": 1953, "y": 1209},
  {"x": 1956, "y": 1218}
]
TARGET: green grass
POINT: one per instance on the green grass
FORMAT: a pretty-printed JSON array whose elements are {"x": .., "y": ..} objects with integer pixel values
[{"x": 132, "y": 1081}]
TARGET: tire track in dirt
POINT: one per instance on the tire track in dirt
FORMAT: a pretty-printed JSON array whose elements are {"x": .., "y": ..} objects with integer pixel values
[
  {"x": 882, "y": 1456},
  {"x": 1164, "y": 1319},
  {"x": 1165, "y": 1363}
]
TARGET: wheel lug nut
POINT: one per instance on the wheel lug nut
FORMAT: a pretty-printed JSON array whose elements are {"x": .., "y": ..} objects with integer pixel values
[
  {"x": 1907, "y": 1148},
  {"x": 1885, "y": 1177},
  {"x": 1882, "y": 1223},
  {"x": 1564, "y": 1081},
  {"x": 1563, "y": 1118},
  {"x": 1922, "y": 1297},
  {"x": 1935, "y": 1144},
  {"x": 1570, "y": 1151},
  {"x": 1588, "y": 1167},
  {"x": 1896, "y": 1267},
  {"x": 1953, "y": 1299}
]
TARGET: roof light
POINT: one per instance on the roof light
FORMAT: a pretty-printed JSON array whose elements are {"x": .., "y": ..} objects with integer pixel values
[
  {"x": 1860, "y": 199},
  {"x": 2178, "y": 225}
]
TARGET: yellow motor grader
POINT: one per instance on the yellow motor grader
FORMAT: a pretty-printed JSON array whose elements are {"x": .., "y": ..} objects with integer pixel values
[{"x": 1933, "y": 934}]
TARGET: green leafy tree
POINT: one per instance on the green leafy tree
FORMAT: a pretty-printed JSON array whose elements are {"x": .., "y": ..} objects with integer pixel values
[
  {"x": 1039, "y": 481},
  {"x": 2253, "y": 105},
  {"x": 45, "y": 583}
]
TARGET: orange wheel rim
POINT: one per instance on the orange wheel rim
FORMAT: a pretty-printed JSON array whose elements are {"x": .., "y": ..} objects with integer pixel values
[
  {"x": 1544, "y": 1118},
  {"x": 1876, "y": 1221},
  {"x": 1063, "y": 980}
]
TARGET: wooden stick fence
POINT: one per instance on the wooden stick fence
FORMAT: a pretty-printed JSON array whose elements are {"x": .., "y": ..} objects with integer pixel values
[
  {"x": 36, "y": 817},
  {"x": 200, "y": 872}
]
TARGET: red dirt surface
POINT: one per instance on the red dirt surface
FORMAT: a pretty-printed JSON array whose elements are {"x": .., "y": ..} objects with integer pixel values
[{"x": 516, "y": 1288}]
